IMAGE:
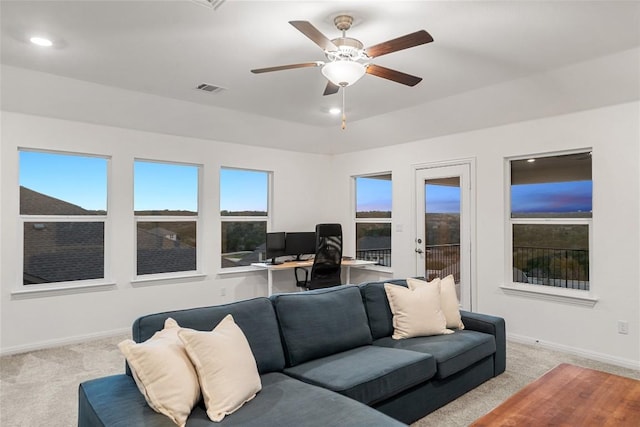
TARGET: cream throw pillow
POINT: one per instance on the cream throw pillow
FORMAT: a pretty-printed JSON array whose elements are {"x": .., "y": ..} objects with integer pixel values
[
  {"x": 448, "y": 299},
  {"x": 225, "y": 365},
  {"x": 163, "y": 372},
  {"x": 416, "y": 312}
]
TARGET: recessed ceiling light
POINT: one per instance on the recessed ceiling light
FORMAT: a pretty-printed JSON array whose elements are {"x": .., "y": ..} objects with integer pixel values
[
  {"x": 335, "y": 111},
  {"x": 41, "y": 41},
  {"x": 531, "y": 160}
]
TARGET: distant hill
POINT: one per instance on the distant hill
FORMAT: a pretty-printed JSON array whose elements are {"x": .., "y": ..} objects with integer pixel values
[
  {"x": 165, "y": 212},
  {"x": 243, "y": 213},
  {"x": 373, "y": 214}
]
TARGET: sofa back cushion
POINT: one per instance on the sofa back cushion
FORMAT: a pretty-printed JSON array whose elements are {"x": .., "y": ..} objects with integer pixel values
[
  {"x": 376, "y": 304},
  {"x": 255, "y": 317},
  {"x": 321, "y": 322}
]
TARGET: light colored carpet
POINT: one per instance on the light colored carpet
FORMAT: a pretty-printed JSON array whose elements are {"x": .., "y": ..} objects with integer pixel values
[{"x": 40, "y": 388}]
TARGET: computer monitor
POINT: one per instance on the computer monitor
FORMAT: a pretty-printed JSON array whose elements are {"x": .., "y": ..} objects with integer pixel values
[
  {"x": 300, "y": 243},
  {"x": 275, "y": 246}
]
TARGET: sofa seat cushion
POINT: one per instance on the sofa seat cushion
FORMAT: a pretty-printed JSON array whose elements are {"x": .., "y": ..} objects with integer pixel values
[
  {"x": 283, "y": 402},
  {"x": 452, "y": 352},
  {"x": 368, "y": 374}
]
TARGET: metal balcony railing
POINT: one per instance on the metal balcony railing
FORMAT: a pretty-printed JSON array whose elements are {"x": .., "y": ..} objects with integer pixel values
[
  {"x": 442, "y": 260},
  {"x": 561, "y": 268}
]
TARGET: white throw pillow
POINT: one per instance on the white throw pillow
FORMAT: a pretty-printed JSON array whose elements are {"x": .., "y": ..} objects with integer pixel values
[
  {"x": 416, "y": 283},
  {"x": 449, "y": 303},
  {"x": 164, "y": 373},
  {"x": 225, "y": 365},
  {"x": 448, "y": 300},
  {"x": 416, "y": 312}
]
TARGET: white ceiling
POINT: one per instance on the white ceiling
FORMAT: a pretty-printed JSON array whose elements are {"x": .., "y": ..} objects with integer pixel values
[{"x": 492, "y": 62}]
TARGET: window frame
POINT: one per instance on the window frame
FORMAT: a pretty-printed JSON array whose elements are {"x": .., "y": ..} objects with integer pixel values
[
  {"x": 151, "y": 277},
  {"x": 24, "y": 219},
  {"x": 371, "y": 220},
  {"x": 565, "y": 295},
  {"x": 231, "y": 218}
]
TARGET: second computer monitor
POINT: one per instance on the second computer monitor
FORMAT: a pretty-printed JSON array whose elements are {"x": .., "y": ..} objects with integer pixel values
[
  {"x": 275, "y": 246},
  {"x": 300, "y": 243}
]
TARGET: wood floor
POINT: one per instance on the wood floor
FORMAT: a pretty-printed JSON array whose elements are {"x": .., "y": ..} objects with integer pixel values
[{"x": 569, "y": 395}]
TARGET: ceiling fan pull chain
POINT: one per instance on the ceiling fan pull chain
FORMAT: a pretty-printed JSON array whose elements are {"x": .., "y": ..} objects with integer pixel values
[{"x": 344, "y": 113}]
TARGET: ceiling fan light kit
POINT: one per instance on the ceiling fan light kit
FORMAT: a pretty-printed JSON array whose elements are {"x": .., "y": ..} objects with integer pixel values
[
  {"x": 348, "y": 57},
  {"x": 343, "y": 73}
]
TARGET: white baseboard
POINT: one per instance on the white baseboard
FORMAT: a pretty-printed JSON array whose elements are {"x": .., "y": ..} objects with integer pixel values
[
  {"x": 42, "y": 345},
  {"x": 593, "y": 355}
]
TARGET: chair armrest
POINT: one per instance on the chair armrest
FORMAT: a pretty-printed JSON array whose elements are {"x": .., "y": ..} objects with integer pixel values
[
  {"x": 301, "y": 283},
  {"x": 489, "y": 325}
]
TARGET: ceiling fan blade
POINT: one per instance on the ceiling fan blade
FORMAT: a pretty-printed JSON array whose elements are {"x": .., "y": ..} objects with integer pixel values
[
  {"x": 331, "y": 88},
  {"x": 396, "y": 76},
  {"x": 314, "y": 35},
  {"x": 404, "y": 42},
  {"x": 288, "y": 67}
]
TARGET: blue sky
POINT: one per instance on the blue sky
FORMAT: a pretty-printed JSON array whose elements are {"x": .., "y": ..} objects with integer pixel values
[
  {"x": 442, "y": 199},
  {"x": 82, "y": 180},
  {"x": 243, "y": 190},
  {"x": 160, "y": 186},
  {"x": 373, "y": 194},
  {"x": 79, "y": 180}
]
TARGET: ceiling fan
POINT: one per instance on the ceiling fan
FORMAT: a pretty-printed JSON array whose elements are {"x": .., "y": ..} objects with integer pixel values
[{"x": 347, "y": 59}]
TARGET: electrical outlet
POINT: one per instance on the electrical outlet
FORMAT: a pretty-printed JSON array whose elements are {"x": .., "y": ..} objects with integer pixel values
[
  {"x": 623, "y": 327},
  {"x": 223, "y": 292}
]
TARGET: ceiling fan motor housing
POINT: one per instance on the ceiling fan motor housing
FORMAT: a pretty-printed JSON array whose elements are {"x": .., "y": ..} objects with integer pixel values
[{"x": 348, "y": 49}]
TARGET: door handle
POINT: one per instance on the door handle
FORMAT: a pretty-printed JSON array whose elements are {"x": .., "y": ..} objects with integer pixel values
[{"x": 418, "y": 250}]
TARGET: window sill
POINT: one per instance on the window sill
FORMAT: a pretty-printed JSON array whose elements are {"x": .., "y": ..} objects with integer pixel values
[
  {"x": 566, "y": 296},
  {"x": 374, "y": 267},
  {"x": 239, "y": 270},
  {"x": 33, "y": 291},
  {"x": 156, "y": 278}
]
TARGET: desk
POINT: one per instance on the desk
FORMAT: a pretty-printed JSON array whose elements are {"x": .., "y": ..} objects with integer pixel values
[{"x": 290, "y": 265}]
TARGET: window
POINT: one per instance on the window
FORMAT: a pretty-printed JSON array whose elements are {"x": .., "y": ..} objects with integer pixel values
[
  {"x": 63, "y": 212},
  {"x": 551, "y": 204},
  {"x": 244, "y": 215},
  {"x": 373, "y": 218},
  {"x": 166, "y": 214}
]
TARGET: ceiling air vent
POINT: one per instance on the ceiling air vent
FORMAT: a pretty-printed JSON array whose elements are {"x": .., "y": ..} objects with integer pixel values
[
  {"x": 209, "y": 88},
  {"x": 212, "y": 4}
]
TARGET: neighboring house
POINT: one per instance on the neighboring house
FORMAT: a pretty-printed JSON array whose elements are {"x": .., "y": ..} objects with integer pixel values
[
  {"x": 68, "y": 251},
  {"x": 59, "y": 251},
  {"x": 34, "y": 203}
]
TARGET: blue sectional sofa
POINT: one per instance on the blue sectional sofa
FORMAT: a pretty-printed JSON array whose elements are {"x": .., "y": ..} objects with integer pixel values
[{"x": 325, "y": 358}]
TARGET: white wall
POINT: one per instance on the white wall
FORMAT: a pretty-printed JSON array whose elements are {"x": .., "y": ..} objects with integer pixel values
[
  {"x": 47, "y": 319},
  {"x": 614, "y": 135},
  {"x": 314, "y": 188}
]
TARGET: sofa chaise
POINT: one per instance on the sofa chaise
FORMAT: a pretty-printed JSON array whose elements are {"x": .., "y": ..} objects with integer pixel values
[{"x": 325, "y": 358}]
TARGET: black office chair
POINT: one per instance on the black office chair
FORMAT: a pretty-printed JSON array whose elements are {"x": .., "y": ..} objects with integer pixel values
[{"x": 326, "y": 268}]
